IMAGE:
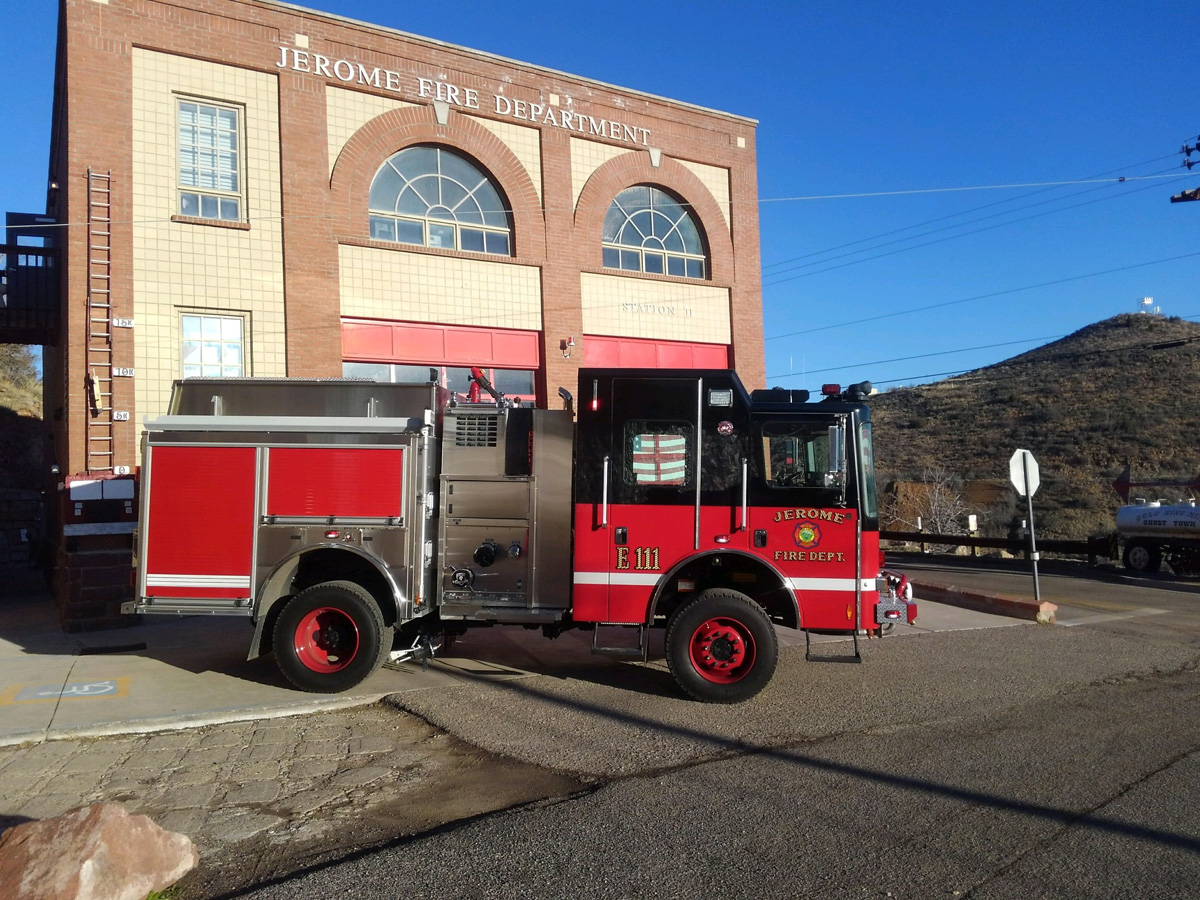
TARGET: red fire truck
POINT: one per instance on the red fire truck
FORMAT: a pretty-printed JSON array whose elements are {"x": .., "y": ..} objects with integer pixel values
[{"x": 352, "y": 522}]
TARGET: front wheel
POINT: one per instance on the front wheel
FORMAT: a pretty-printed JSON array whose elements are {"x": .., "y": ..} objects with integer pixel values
[
  {"x": 721, "y": 647},
  {"x": 330, "y": 637}
]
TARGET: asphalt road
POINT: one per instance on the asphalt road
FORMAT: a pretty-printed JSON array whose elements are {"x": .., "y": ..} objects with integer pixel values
[
  {"x": 1017, "y": 762},
  {"x": 1159, "y": 605}
]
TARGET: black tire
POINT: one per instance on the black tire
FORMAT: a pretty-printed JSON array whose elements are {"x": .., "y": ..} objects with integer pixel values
[
  {"x": 330, "y": 637},
  {"x": 721, "y": 647},
  {"x": 1142, "y": 558}
]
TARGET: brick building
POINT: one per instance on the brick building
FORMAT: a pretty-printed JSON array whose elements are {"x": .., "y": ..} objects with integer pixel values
[{"x": 252, "y": 188}]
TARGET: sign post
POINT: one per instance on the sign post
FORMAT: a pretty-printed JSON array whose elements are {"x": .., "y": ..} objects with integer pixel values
[{"x": 1024, "y": 475}]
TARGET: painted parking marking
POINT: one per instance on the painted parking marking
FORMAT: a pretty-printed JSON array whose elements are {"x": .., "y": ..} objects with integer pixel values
[
  {"x": 1114, "y": 617},
  {"x": 100, "y": 689}
]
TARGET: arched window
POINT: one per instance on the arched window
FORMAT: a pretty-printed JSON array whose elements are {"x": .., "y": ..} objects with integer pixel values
[
  {"x": 648, "y": 230},
  {"x": 434, "y": 197}
]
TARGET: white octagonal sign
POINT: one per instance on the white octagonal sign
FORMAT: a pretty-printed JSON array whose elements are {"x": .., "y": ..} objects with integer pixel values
[{"x": 1022, "y": 466}]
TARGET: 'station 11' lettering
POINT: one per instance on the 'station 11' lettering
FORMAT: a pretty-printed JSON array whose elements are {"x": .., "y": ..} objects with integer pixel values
[{"x": 645, "y": 559}]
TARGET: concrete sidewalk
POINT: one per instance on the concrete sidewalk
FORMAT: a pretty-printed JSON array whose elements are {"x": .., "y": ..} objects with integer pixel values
[
  {"x": 166, "y": 673},
  {"x": 168, "y": 717},
  {"x": 162, "y": 673}
]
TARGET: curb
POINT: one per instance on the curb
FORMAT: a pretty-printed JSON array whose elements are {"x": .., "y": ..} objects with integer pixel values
[
  {"x": 188, "y": 721},
  {"x": 1043, "y": 613}
]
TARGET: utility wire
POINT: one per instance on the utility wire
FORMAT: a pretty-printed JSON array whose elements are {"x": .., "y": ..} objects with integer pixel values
[
  {"x": 963, "y": 225},
  {"x": 956, "y": 190},
  {"x": 1028, "y": 287},
  {"x": 761, "y": 200},
  {"x": 958, "y": 214},
  {"x": 965, "y": 234},
  {"x": 1145, "y": 345},
  {"x": 880, "y": 362}
]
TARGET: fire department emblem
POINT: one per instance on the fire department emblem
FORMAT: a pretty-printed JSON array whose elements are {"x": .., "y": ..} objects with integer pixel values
[
  {"x": 725, "y": 428},
  {"x": 807, "y": 535}
]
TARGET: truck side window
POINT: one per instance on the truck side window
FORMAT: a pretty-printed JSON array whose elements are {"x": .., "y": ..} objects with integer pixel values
[
  {"x": 658, "y": 453},
  {"x": 795, "y": 454}
]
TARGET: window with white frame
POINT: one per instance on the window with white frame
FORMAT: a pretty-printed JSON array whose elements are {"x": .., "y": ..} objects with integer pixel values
[
  {"x": 648, "y": 230},
  {"x": 210, "y": 161},
  {"x": 434, "y": 197},
  {"x": 213, "y": 346}
]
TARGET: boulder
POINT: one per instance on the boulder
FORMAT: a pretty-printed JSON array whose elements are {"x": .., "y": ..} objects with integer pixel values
[{"x": 97, "y": 852}]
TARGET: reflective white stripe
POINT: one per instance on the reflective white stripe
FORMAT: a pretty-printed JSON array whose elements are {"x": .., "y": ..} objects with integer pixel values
[
  {"x": 617, "y": 578},
  {"x": 210, "y": 581},
  {"x": 828, "y": 584},
  {"x": 796, "y": 584}
]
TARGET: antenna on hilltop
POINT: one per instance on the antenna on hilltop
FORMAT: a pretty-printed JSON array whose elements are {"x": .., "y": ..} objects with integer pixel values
[{"x": 1146, "y": 305}]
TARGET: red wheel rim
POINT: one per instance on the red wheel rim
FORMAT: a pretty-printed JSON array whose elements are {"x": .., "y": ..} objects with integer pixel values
[
  {"x": 722, "y": 650},
  {"x": 326, "y": 640}
]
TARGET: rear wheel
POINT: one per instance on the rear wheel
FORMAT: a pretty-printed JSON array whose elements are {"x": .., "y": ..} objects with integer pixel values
[
  {"x": 1142, "y": 558},
  {"x": 330, "y": 637},
  {"x": 721, "y": 647}
]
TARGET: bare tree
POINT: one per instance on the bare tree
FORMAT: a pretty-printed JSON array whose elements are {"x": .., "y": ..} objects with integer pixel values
[{"x": 936, "y": 502}]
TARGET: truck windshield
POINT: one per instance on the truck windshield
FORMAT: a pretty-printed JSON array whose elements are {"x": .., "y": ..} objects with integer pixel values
[{"x": 866, "y": 455}]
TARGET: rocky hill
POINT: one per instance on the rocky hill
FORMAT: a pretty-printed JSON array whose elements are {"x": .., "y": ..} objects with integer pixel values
[
  {"x": 20, "y": 420},
  {"x": 1121, "y": 391}
]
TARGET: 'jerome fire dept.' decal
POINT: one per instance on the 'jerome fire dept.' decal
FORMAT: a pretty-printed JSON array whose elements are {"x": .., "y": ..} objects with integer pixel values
[{"x": 807, "y": 535}]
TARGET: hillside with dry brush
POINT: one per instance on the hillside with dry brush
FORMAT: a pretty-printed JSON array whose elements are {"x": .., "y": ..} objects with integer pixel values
[
  {"x": 20, "y": 420},
  {"x": 1120, "y": 391}
]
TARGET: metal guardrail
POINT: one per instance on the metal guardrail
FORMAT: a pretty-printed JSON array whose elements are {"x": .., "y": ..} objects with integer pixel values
[{"x": 1094, "y": 548}]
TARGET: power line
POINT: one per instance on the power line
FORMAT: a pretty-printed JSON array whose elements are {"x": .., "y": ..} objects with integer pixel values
[
  {"x": 964, "y": 234},
  {"x": 1147, "y": 345},
  {"x": 880, "y": 362},
  {"x": 963, "y": 225},
  {"x": 962, "y": 213},
  {"x": 761, "y": 200},
  {"x": 1028, "y": 287},
  {"x": 955, "y": 190}
]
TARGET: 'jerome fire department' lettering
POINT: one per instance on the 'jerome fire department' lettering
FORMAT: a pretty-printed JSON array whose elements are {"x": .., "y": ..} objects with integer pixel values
[{"x": 827, "y": 515}]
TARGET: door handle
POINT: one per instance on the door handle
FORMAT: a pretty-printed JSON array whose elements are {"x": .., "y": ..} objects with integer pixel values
[{"x": 604, "y": 497}]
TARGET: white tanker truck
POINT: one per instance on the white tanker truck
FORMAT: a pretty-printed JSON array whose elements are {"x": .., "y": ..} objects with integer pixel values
[{"x": 1154, "y": 532}]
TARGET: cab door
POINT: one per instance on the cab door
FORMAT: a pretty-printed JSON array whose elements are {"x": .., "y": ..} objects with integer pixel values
[
  {"x": 635, "y": 493},
  {"x": 667, "y": 462},
  {"x": 803, "y": 514}
]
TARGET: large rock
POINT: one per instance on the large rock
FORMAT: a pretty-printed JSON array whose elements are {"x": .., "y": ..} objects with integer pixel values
[{"x": 97, "y": 852}]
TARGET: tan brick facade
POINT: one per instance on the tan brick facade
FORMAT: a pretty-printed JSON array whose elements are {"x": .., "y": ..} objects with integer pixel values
[{"x": 323, "y": 103}]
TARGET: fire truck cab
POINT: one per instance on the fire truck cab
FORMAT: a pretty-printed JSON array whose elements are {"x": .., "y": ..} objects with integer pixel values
[{"x": 352, "y": 521}]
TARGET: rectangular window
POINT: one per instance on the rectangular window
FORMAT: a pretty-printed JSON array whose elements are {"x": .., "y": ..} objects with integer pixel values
[
  {"x": 866, "y": 461},
  {"x": 383, "y": 229},
  {"x": 210, "y": 161},
  {"x": 656, "y": 453},
  {"x": 796, "y": 454},
  {"x": 514, "y": 383},
  {"x": 213, "y": 346}
]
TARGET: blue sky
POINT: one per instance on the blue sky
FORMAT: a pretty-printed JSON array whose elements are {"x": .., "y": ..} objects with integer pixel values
[{"x": 910, "y": 102}]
